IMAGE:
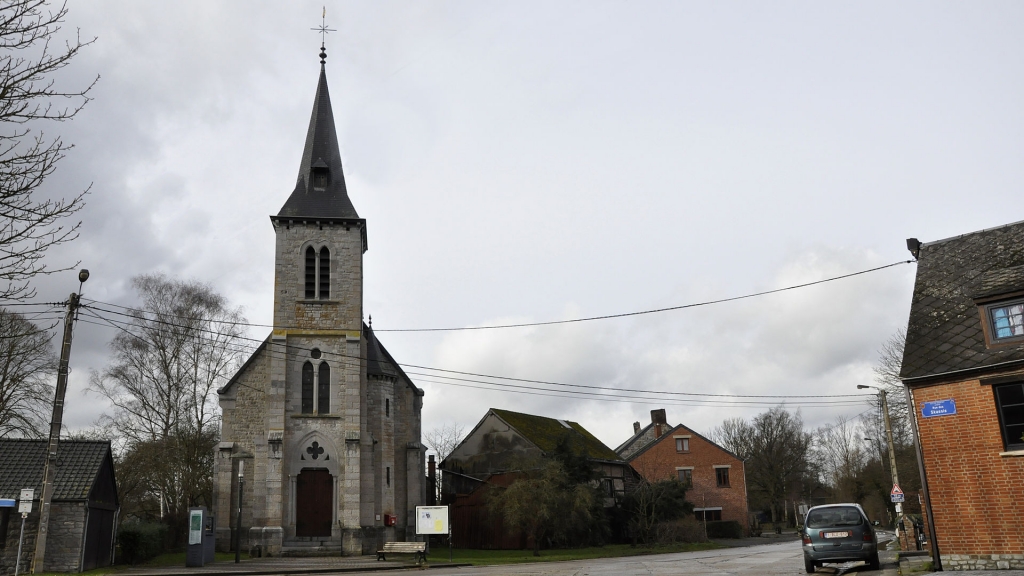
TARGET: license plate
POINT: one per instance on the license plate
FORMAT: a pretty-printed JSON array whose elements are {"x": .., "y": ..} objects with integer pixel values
[{"x": 837, "y": 534}]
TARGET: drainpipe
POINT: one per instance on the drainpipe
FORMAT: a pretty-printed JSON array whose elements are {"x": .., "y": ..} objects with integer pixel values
[{"x": 936, "y": 559}]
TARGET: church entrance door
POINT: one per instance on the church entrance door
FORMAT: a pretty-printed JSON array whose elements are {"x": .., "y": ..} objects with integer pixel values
[{"x": 313, "y": 503}]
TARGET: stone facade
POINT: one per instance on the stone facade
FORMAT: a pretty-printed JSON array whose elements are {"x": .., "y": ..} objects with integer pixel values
[
  {"x": 344, "y": 472},
  {"x": 63, "y": 547}
]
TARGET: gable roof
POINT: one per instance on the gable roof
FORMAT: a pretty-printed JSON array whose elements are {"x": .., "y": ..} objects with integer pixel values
[
  {"x": 545, "y": 434},
  {"x": 636, "y": 437},
  {"x": 252, "y": 358},
  {"x": 944, "y": 332},
  {"x": 321, "y": 151},
  {"x": 385, "y": 362},
  {"x": 680, "y": 428},
  {"x": 78, "y": 464}
]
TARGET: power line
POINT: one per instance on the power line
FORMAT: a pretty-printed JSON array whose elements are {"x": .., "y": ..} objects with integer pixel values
[
  {"x": 724, "y": 399},
  {"x": 570, "y": 321}
]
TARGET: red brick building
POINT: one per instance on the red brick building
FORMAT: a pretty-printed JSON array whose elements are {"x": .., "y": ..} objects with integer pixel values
[
  {"x": 963, "y": 367},
  {"x": 716, "y": 478}
]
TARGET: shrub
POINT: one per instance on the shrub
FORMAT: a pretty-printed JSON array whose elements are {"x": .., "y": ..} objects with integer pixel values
[
  {"x": 725, "y": 529},
  {"x": 140, "y": 541},
  {"x": 677, "y": 531}
]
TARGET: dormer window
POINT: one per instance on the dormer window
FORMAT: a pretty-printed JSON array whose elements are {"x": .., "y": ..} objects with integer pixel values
[
  {"x": 320, "y": 178},
  {"x": 1007, "y": 320}
]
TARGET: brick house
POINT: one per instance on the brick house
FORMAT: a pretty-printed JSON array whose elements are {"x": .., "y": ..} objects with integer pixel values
[
  {"x": 715, "y": 476},
  {"x": 963, "y": 367},
  {"x": 83, "y": 510}
]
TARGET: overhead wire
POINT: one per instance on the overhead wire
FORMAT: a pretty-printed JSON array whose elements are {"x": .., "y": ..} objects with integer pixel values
[{"x": 705, "y": 399}]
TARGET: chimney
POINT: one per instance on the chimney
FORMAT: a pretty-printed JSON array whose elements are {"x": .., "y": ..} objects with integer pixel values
[
  {"x": 660, "y": 424},
  {"x": 636, "y": 427}
]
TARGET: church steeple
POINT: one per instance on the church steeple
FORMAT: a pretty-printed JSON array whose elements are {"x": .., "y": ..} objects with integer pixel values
[{"x": 320, "y": 190}]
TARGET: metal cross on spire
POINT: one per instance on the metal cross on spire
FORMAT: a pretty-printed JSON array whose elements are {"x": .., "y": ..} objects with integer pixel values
[{"x": 323, "y": 30}]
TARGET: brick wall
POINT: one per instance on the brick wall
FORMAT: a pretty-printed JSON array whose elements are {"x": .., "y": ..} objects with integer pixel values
[
  {"x": 976, "y": 494},
  {"x": 661, "y": 460}
]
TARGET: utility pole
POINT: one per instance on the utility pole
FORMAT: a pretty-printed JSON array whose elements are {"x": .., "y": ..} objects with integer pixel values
[
  {"x": 50, "y": 470},
  {"x": 888, "y": 437}
]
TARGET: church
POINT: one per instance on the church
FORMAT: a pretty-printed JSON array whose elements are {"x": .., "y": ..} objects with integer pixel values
[{"x": 321, "y": 421}]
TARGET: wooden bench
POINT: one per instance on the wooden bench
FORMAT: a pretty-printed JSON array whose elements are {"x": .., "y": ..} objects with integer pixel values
[{"x": 417, "y": 549}]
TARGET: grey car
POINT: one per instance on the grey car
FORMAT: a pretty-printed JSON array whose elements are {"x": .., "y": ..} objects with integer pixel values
[{"x": 838, "y": 533}]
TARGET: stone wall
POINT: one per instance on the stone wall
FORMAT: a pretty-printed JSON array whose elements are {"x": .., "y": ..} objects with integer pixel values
[
  {"x": 66, "y": 537},
  {"x": 10, "y": 549}
]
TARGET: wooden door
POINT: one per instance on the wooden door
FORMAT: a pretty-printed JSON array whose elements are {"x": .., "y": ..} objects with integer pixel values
[{"x": 314, "y": 499}]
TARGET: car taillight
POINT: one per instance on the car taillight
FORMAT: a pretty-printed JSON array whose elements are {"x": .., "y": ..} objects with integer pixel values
[
  {"x": 867, "y": 536},
  {"x": 807, "y": 538}
]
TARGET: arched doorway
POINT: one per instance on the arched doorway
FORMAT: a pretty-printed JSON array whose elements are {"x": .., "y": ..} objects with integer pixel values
[{"x": 314, "y": 501}]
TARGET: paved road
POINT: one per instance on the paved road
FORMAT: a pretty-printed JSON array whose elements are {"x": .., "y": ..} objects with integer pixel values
[{"x": 764, "y": 560}]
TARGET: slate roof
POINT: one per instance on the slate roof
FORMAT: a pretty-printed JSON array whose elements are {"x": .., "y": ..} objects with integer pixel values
[
  {"x": 625, "y": 446},
  {"x": 321, "y": 151},
  {"x": 376, "y": 363},
  {"x": 944, "y": 333},
  {"x": 546, "y": 432},
  {"x": 78, "y": 464}
]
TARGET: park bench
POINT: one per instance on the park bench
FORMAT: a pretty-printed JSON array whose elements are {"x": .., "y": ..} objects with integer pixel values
[{"x": 417, "y": 549}]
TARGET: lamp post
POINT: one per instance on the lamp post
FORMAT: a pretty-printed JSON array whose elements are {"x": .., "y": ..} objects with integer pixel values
[{"x": 888, "y": 436}]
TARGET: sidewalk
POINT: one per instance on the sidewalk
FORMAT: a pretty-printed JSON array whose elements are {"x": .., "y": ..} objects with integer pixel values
[{"x": 312, "y": 565}]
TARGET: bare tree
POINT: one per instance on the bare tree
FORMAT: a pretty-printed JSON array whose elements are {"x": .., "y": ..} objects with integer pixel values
[
  {"x": 440, "y": 441},
  {"x": 840, "y": 451},
  {"x": 27, "y": 369},
  {"x": 29, "y": 97},
  {"x": 178, "y": 348}
]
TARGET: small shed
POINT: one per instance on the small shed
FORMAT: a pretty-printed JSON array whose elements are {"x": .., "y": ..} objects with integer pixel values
[{"x": 83, "y": 511}]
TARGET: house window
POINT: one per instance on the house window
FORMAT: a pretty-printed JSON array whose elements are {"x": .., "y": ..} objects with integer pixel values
[
  {"x": 722, "y": 477},
  {"x": 323, "y": 389},
  {"x": 682, "y": 444},
  {"x": 307, "y": 388},
  {"x": 686, "y": 477},
  {"x": 709, "y": 514},
  {"x": 1007, "y": 320},
  {"x": 1010, "y": 402},
  {"x": 318, "y": 274}
]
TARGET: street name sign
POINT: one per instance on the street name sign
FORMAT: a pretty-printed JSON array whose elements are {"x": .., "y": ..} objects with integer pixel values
[
  {"x": 896, "y": 495},
  {"x": 939, "y": 408}
]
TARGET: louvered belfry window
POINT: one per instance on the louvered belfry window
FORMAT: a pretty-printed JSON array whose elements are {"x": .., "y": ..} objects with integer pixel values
[
  {"x": 318, "y": 274},
  {"x": 310, "y": 273},
  {"x": 307, "y": 388},
  {"x": 323, "y": 389},
  {"x": 325, "y": 273}
]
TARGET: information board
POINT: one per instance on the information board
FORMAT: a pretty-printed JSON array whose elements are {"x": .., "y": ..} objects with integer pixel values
[
  {"x": 195, "y": 527},
  {"x": 431, "y": 519}
]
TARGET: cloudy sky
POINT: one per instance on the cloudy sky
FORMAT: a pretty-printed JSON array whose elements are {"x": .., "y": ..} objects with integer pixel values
[{"x": 533, "y": 161}]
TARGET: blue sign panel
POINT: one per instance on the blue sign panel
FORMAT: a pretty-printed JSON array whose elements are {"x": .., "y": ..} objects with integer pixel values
[
  {"x": 939, "y": 408},
  {"x": 7, "y": 503}
]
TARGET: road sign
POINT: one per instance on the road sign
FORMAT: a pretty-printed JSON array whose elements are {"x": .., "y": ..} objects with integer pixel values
[
  {"x": 896, "y": 494},
  {"x": 939, "y": 408},
  {"x": 25, "y": 502}
]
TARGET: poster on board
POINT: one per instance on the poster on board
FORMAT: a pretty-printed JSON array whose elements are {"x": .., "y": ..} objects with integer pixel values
[{"x": 431, "y": 519}]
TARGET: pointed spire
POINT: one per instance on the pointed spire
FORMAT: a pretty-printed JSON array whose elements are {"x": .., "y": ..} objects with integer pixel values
[{"x": 320, "y": 190}]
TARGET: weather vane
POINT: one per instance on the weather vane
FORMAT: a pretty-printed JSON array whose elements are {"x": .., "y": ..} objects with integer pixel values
[{"x": 323, "y": 30}]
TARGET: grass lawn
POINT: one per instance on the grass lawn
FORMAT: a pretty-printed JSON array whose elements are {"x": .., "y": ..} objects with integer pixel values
[{"x": 485, "y": 557}]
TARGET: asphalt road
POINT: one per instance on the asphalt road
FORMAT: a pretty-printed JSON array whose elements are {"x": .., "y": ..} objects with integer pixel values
[{"x": 763, "y": 560}]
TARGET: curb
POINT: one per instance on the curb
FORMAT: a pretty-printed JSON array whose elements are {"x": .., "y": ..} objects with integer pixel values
[{"x": 323, "y": 570}]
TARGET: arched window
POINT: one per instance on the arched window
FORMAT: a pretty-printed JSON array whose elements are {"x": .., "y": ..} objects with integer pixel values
[
  {"x": 323, "y": 390},
  {"x": 310, "y": 273},
  {"x": 307, "y": 388},
  {"x": 325, "y": 273}
]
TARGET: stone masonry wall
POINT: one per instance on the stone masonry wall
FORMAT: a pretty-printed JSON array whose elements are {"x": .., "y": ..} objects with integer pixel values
[
  {"x": 661, "y": 462},
  {"x": 975, "y": 486},
  {"x": 10, "y": 549},
  {"x": 67, "y": 536}
]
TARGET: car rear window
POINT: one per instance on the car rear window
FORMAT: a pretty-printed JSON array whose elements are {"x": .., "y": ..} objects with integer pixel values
[{"x": 836, "y": 516}]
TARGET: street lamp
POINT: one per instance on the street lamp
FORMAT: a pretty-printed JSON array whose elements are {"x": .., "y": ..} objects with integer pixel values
[
  {"x": 238, "y": 513},
  {"x": 888, "y": 435}
]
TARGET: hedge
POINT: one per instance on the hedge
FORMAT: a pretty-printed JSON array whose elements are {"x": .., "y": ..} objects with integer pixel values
[
  {"x": 725, "y": 529},
  {"x": 140, "y": 541}
]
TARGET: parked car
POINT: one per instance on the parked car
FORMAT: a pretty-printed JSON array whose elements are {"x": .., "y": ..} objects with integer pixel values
[{"x": 838, "y": 533}]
